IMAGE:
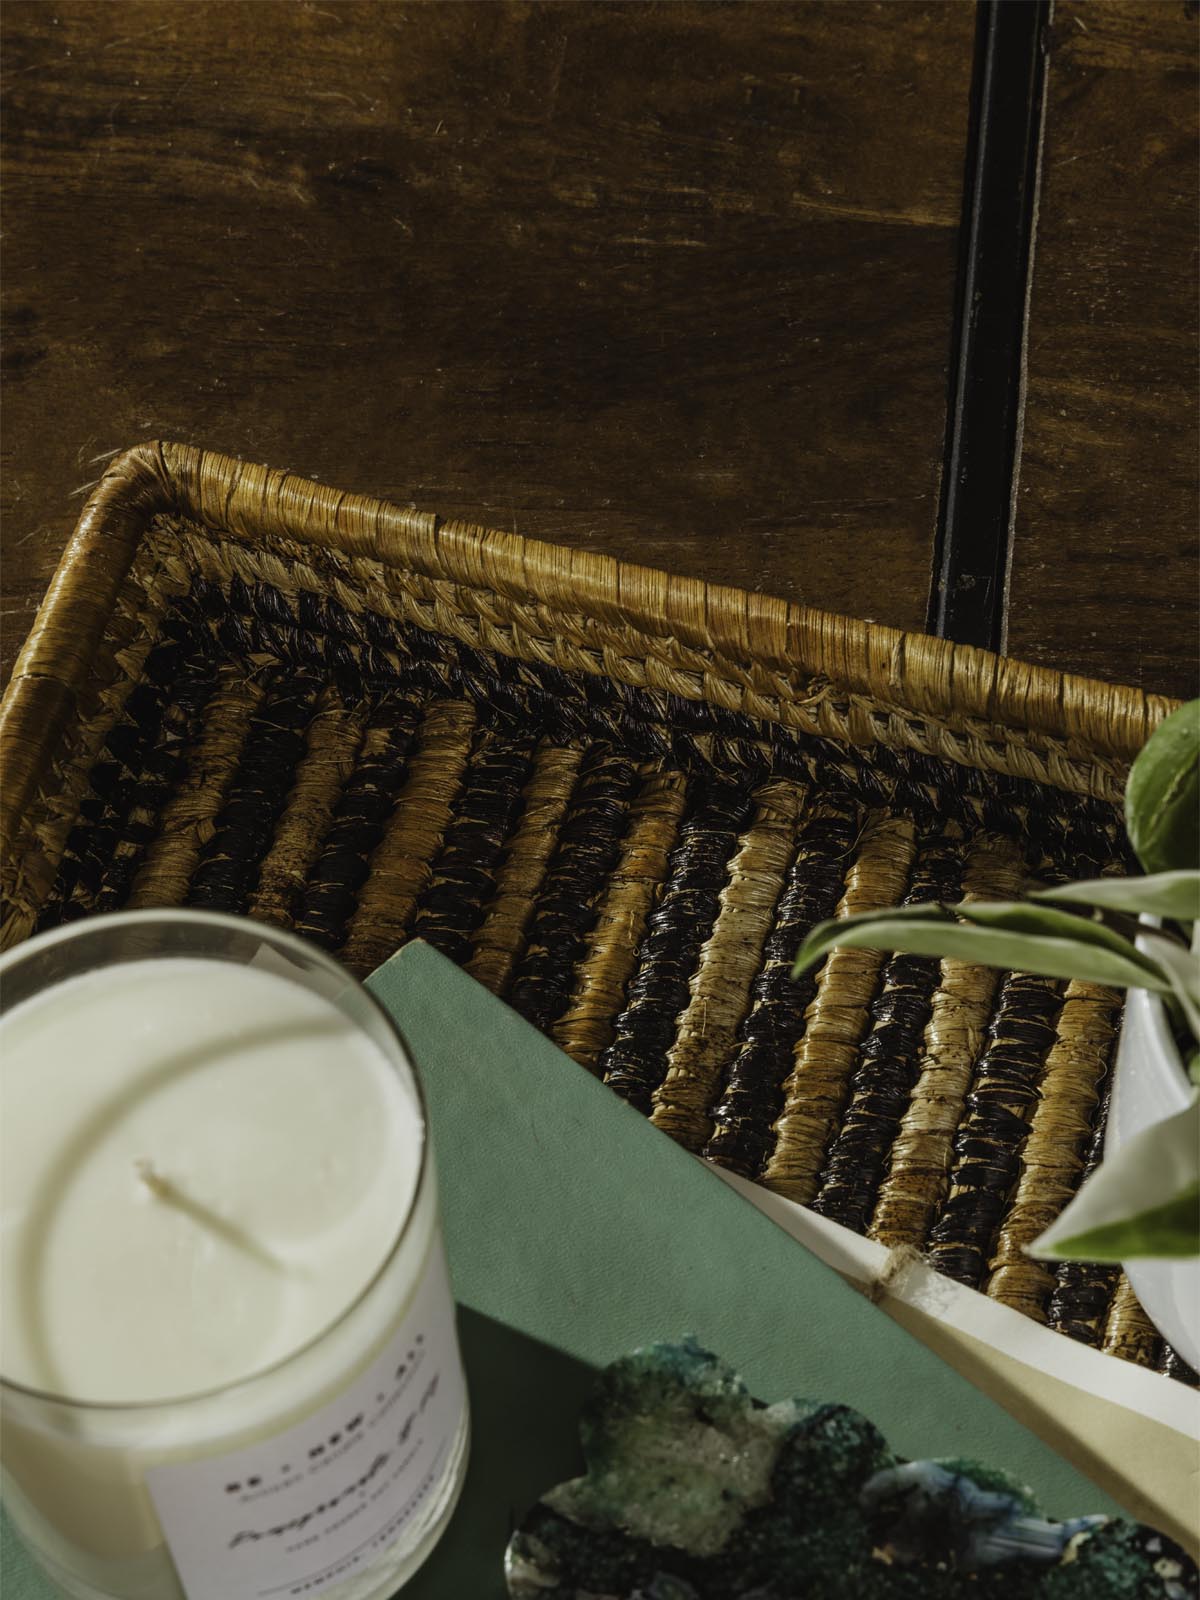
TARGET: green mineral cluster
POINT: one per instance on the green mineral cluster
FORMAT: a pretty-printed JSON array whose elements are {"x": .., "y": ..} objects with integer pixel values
[{"x": 696, "y": 1491}]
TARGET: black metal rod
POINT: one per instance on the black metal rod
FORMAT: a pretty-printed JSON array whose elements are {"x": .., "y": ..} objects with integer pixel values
[{"x": 970, "y": 564}]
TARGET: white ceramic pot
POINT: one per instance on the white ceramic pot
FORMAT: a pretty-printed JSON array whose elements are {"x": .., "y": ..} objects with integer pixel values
[{"x": 1151, "y": 1085}]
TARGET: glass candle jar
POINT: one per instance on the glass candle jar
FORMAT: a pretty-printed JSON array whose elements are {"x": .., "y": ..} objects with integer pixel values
[{"x": 229, "y": 1356}]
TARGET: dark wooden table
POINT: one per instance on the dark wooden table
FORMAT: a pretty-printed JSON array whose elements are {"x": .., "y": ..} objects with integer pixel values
[{"x": 682, "y": 283}]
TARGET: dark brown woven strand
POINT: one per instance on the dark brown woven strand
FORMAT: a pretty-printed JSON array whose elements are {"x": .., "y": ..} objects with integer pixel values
[
  {"x": 163, "y": 764},
  {"x": 296, "y": 788},
  {"x": 816, "y": 1089},
  {"x": 319, "y": 634},
  {"x": 585, "y": 1029},
  {"x": 987, "y": 1146},
  {"x": 332, "y": 748},
  {"x": 635, "y": 1063},
  {"x": 501, "y": 938},
  {"x": 464, "y": 874},
  {"x": 230, "y": 861},
  {"x": 129, "y": 784},
  {"x": 207, "y": 763},
  {"x": 70, "y": 729},
  {"x": 752, "y": 1093},
  {"x": 1053, "y": 1154},
  {"x": 889, "y": 1057},
  {"x": 918, "y": 1173},
  {"x": 583, "y": 860},
  {"x": 718, "y": 990},
  {"x": 1079, "y": 1304},
  {"x": 401, "y": 864},
  {"x": 328, "y": 898}
]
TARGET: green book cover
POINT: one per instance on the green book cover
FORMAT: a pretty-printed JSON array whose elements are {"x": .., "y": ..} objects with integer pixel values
[{"x": 576, "y": 1232}]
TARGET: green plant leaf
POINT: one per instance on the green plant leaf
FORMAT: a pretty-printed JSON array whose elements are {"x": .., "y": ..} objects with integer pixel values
[
  {"x": 931, "y": 930},
  {"x": 1162, "y": 894},
  {"x": 1183, "y": 970},
  {"x": 837, "y": 930},
  {"x": 1047, "y": 921},
  {"x": 1162, "y": 796},
  {"x": 1144, "y": 1200},
  {"x": 1168, "y": 1230}
]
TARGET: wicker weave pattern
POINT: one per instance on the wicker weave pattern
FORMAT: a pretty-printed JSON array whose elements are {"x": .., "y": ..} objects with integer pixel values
[{"x": 620, "y": 801}]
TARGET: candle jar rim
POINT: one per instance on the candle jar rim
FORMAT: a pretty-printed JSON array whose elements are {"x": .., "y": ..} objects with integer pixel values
[{"x": 311, "y": 955}]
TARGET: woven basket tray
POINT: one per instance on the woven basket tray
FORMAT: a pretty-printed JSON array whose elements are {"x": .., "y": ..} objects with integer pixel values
[{"x": 620, "y": 799}]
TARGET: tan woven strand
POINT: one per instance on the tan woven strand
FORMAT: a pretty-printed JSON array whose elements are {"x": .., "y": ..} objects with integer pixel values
[
  {"x": 403, "y": 862},
  {"x": 142, "y": 820},
  {"x": 83, "y": 655},
  {"x": 563, "y": 637},
  {"x": 909, "y": 671},
  {"x": 719, "y": 989},
  {"x": 501, "y": 937},
  {"x": 586, "y": 1027},
  {"x": 1128, "y": 1331},
  {"x": 862, "y": 683},
  {"x": 923, "y": 1149},
  {"x": 31, "y": 864},
  {"x": 332, "y": 744},
  {"x": 21, "y": 901},
  {"x": 186, "y": 823},
  {"x": 1053, "y": 1154},
  {"x": 817, "y": 1087},
  {"x": 39, "y": 830}
]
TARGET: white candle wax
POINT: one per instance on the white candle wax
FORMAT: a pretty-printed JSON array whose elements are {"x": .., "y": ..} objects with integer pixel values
[
  {"x": 206, "y": 1169},
  {"x": 286, "y": 1154}
]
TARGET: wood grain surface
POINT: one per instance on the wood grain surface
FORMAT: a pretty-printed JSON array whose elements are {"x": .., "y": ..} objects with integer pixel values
[
  {"x": 674, "y": 282},
  {"x": 1104, "y": 560}
]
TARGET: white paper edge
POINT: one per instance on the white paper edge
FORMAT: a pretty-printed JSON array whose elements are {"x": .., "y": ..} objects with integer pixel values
[{"x": 910, "y": 1280}]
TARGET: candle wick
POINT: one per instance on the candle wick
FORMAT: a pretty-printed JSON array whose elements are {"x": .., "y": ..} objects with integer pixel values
[
  {"x": 170, "y": 1194},
  {"x": 153, "y": 1179}
]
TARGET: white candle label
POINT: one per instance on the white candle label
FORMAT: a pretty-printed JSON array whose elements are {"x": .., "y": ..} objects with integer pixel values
[{"x": 319, "y": 1504}]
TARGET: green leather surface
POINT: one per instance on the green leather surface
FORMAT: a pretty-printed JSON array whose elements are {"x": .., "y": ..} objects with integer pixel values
[{"x": 575, "y": 1232}]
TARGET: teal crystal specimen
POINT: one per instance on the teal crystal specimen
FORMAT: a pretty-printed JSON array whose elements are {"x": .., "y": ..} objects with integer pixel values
[{"x": 696, "y": 1491}]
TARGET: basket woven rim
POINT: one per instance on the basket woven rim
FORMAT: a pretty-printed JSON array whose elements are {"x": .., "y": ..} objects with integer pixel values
[{"x": 910, "y": 672}]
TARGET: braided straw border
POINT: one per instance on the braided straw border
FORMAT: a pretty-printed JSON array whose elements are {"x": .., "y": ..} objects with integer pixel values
[{"x": 872, "y": 684}]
